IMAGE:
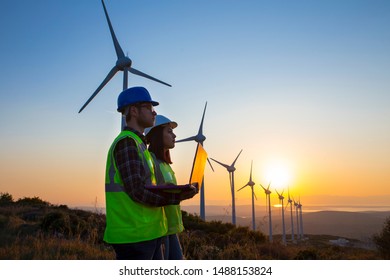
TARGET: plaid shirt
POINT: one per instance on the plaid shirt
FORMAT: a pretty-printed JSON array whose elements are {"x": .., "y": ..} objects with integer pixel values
[{"x": 132, "y": 171}]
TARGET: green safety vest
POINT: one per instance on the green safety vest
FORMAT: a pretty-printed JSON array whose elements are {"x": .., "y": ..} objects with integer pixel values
[
  {"x": 128, "y": 221},
  {"x": 165, "y": 175}
]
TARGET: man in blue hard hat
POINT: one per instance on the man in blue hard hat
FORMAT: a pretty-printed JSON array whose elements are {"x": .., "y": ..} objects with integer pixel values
[{"x": 135, "y": 218}]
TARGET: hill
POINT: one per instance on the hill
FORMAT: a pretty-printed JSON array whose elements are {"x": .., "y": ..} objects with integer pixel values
[
  {"x": 359, "y": 225},
  {"x": 34, "y": 229}
]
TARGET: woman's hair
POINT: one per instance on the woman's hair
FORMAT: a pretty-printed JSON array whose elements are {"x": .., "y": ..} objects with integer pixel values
[{"x": 156, "y": 144}]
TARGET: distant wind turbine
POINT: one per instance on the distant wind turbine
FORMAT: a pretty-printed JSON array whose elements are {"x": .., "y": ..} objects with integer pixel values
[
  {"x": 200, "y": 138},
  {"x": 268, "y": 196},
  {"x": 123, "y": 63},
  {"x": 300, "y": 216},
  {"x": 297, "y": 216},
  {"x": 251, "y": 184},
  {"x": 281, "y": 200},
  {"x": 231, "y": 169},
  {"x": 291, "y": 214}
]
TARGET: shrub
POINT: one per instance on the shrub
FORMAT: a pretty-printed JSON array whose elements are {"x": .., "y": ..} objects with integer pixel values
[
  {"x": 6, "y": 199},
  {"x": 382, "y": 240},
  {"x": 32, "y": 201},
  {"x": 57, "y": 223},
  {"x": 308, "y": 254}
]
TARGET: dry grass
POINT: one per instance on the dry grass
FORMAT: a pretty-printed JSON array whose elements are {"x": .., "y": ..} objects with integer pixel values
[{"x": 35, "y": 230}]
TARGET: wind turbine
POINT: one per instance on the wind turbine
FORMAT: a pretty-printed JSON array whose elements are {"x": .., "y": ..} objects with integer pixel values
[
  {"x": 297, "y": 216},
  {"x": 281, "y": 200},
  {"x": 300, "y": 216},
  {"x": 200, "y": 138},
  {"x": 231, "y": 169},
  {"x": 291, "y": 214},
  {"x": 123, "y": 63},
  {"x": 268, "y": 195},
  {"x": 251, "y": 184}
]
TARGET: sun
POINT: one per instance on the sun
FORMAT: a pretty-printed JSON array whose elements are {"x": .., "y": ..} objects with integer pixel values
[{"x": 278, "y": 174}]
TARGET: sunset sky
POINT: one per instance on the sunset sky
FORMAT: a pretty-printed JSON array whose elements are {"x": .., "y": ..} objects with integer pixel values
[{"x": 303, "y": 87}]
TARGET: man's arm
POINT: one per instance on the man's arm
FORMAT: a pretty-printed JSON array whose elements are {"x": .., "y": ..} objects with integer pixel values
[{"x": 132, "y": 171}]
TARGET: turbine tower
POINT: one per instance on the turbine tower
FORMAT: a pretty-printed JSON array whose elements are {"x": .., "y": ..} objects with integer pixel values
[
  {"x": 251, "y": 184},
  {"x": 291, "y": 214},
  {"x": 200, "y": 138},
  {"x": 231, "y": 169},
  {"x": 300, "y": 216},
  {"x": 297, "y": 216},
  {"x": 268, "y": 196},
  {"x": 281, "y": 200},
  {"x": 123, "y": 63}
]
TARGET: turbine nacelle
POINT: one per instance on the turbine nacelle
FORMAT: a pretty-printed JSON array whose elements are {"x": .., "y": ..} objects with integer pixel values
[
  {"x": 123, "y": 62},
  {"x": 266, "y": 190},
  {"x": 281, "y": 197},
  {"x": 231, "y": 169},
  {"x": 200, "y": 138}
]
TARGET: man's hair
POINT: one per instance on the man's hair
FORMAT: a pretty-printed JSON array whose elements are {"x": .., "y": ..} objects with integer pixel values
[
  {"x": 126, "y": 111},
  {"x": 156, "y": 144}
]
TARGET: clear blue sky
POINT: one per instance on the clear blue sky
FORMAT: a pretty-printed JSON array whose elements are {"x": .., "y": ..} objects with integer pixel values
[{"x": 302, "y": 85}]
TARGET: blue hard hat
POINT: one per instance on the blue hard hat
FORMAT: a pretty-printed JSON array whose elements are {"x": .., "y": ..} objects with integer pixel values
[{"x": 134, "y": 95}]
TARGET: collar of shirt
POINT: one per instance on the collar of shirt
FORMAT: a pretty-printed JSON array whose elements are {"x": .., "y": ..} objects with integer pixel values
[{"x": 140, "y": 135}]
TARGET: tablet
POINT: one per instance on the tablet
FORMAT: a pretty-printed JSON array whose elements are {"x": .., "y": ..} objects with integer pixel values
[{"x": 172, "y": 187}]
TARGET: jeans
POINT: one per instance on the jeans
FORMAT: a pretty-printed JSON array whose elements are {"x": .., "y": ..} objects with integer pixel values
[
  {"x": 145, "y": 250},
  {"x": 173, "y": 249}
]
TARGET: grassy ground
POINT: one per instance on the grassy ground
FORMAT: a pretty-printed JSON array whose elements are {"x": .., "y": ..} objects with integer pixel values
[{"x": 33, "y": 229}]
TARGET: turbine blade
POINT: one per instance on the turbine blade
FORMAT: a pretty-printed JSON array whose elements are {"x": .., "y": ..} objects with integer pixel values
[
  {"x": 210, "y": 164},
  {"x": 200, "y": 132},
  {"x": 224, "y": 165},
  {"x": 118, "y": 49},
  {"x": 263, "y": 187},
  {"x": 254, "y": 194},
  {"x": 234, "y": 162},
  {"x": 250, "y": 177},
  {"x": 105, "y": 81},
  {"x": 242, "y": 187},
  {"x": 139, "y": 73},
  {"x": 192, "y": 138}
]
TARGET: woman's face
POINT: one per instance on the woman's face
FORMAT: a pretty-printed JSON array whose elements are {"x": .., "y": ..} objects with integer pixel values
[{"x": 168, "y": 137}]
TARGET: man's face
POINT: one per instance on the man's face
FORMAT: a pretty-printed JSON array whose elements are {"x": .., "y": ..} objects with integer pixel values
[{"x": 146, "y": 114}]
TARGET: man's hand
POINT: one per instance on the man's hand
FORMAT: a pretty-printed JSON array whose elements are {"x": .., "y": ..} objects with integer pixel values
[{"x": 189, "y": 192}]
